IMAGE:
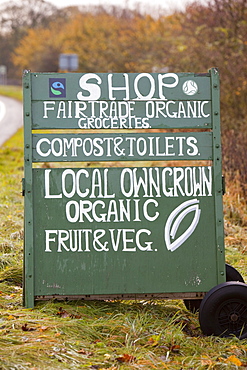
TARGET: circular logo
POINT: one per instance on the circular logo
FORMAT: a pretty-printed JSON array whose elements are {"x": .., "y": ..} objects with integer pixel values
[
  {"x": 190, "y": 87},
  {"x": 55, "y": 88}
]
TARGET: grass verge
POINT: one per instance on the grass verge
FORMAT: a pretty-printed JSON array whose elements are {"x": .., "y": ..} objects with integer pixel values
[{"x": 14, "y": 92}]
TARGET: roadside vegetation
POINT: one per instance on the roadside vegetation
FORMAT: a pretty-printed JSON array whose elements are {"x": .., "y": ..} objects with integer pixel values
[{"x": 11, "y": 91}]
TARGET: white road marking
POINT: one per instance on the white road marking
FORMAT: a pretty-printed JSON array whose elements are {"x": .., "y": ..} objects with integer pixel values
[{"x": 10, "y": 118}]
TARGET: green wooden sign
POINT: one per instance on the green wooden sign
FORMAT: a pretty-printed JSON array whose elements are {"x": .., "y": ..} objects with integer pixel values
[{"x": 152, "y": 227}]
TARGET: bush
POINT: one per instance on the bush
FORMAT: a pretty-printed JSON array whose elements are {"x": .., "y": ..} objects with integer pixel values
[{"x": 234, "y": 155}]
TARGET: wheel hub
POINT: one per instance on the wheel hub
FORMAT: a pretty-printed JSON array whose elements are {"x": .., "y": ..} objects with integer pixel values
[{"x": 234, "y": 317}]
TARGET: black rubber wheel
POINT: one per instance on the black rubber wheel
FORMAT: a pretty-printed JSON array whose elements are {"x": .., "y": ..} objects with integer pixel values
[
  {"x": 232, "y": 274},
  {"x": 223, "y": 311}
]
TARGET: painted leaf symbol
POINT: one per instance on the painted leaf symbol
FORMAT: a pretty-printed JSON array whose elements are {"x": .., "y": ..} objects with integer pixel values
[
  {"x": 55, "y": 92},
  {"x": 175, "y": 219}
]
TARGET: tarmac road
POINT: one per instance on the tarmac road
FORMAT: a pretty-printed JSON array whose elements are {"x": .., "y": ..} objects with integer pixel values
[{"x": 10, "y": 118}]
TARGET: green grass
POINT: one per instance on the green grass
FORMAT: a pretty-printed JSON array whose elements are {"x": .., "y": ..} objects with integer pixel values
[
  {"x": 112, "y": 335},
  {"x": 11, "y": 91}
]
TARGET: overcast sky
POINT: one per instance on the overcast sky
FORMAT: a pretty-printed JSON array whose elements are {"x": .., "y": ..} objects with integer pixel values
[
  {"x": 130, "y": 3},
  {"x": 165, "y": 4}
]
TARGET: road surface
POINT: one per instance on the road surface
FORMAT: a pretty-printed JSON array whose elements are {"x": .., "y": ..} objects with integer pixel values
[{"x": 10, "y": 118}]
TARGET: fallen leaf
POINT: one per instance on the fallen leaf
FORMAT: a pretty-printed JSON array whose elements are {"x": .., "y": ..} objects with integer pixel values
[
  {"x": 175, "y": 348},
  {"x": 75, "y": 316},
  {"x": 107, "y": 356},
  {"x": 26, "y": 328},
  {"x": 154, "y": 340},
  {"x": 9, "y": 296},
  {"x": 234, "y": 360},
  {"x": 62, "y": 313},
  {"x": 84, "y": 352},
  {"x": 126, "y": 358},
  {"x": 11, "y": 317},
  {"x": 43, "y": 328},
  {"x": 205, "y": 361}
]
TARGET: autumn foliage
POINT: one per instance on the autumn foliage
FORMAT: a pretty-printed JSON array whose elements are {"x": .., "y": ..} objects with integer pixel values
[{"x": 118, "y": 39}]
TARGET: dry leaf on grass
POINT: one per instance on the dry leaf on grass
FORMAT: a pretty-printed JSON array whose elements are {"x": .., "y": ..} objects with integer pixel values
[
  {"x": 26, "y": 328},
  {"x": 126, "y": 358},
  {"x": 233, "y": 360}
]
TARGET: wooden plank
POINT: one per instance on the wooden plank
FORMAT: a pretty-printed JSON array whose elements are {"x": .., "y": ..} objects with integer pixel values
[{"x": 122, "y": 147}]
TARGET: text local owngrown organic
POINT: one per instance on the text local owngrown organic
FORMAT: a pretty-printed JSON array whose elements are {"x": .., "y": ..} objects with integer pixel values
[{"x": 97, "y": 204}]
